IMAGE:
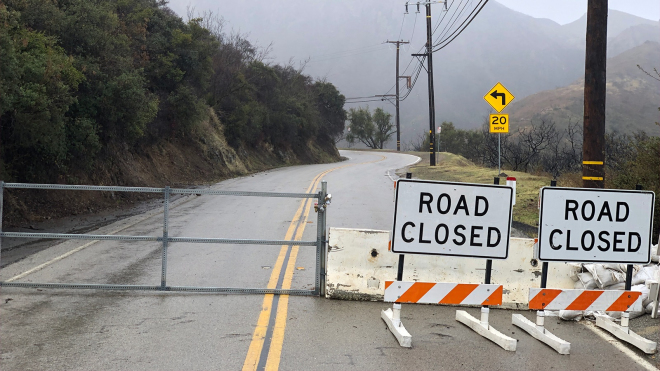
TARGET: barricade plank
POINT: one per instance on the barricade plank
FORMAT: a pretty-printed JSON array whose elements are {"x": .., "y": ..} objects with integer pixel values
[
  {"x": 443, "y": 293},
  {"x": 604, "y": 300}
]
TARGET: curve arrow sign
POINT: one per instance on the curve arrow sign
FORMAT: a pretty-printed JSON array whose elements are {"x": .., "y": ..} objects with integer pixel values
[{"x": 495, "y": 94}]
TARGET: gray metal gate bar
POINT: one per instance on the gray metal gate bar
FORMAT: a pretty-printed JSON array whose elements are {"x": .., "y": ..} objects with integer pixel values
[
  {"x": 2, "y": 195},
  {"x": 320, "y": 242},
  {"x": 157, "y": 190},
  {"x": 166, "y": 212},
  {"x": 233, "y": 241},
  {"x": 90, "y": 286}
]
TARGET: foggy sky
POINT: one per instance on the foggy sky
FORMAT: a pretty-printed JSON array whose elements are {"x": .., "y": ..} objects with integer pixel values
[{"x": 560, "y": 11}]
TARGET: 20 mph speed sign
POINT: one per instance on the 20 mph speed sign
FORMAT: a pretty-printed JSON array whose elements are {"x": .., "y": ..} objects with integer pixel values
[
  {"x": 594, "y": 225},
  {"x": 458, "y": 219}
]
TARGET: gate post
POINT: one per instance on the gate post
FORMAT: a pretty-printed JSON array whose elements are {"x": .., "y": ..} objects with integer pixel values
[
  {"x": 320, "y": 241},
  {"x": 2, "y": 193},
  {"x": 166, "y": 211}
]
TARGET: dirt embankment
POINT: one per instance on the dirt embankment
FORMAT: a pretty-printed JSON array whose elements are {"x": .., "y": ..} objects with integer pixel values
[{"x": 201, "y": 159}]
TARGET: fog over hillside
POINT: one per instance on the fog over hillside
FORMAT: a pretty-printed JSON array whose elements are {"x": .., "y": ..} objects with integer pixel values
[{"x": 343, "y": 41}]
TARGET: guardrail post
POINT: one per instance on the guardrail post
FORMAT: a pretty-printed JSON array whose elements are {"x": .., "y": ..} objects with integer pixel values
[
  {"x": 2, "y": 193},
  {"x": 166, "y": 211},
  {"x": 321, "y": 251}
]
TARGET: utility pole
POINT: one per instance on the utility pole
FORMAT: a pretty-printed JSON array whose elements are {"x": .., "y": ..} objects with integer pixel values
[
  {"x": 398, "y": 121},
  {"x": 593, "y": 147},
  {"x": 429, "y": 70}
]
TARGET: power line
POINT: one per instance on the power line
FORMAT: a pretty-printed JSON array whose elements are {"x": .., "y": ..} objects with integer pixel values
[
  {"x": 455, "y": 16},
  {"x": 462, "y": 28},
  {"x": 366, "y": 101},
  {"x": 402, "y": 22}
]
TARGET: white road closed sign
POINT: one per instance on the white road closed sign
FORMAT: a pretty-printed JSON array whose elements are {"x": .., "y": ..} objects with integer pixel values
[
  {"x": 457, "y": 219},
  {"x": 594, "y": 225}
]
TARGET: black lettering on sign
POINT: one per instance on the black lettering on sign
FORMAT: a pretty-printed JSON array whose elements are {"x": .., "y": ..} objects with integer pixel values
[
  {"x": 474, "y": 235},
  {"x": 591, "y": 238},
  {"x": 593, "y": 210},
  {"x": 476, "y": 206},
  {"x": 639, "y": 242},
  {"x": 607, "y": 242},
  {"x": 456, "y": 232},
  {"x": 571, "y": 205},
  {"x": 437, "y": 234},
  {"x": 552, "y": 240},
  {"x": 446, "y": 210},
  {"x": 403, "y": 232},
  {"x": 490, "y": 233},
  {"x": 605, "y": 210},
  {"x": 421, "y": 234},
  {"x": 568, "y": 242},
  {"x": 618, "y": 208},
  {"x": 617, "y": 240},
  {"x": 425, "y": 199},
  {"x": 462, "y": 205}
]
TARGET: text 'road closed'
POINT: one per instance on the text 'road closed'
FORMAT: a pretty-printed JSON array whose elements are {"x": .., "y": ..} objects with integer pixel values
[
  {"x": 452, "y": 219},
  {"x": 595, "y": 225}
]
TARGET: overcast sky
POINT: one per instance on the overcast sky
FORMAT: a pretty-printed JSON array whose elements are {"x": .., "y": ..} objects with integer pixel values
[
  {"x": 560, "y": 11},
  {"x": 565, "y": 11}
]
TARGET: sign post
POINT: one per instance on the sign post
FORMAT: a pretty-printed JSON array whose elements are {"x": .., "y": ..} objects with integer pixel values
[
  {"x": 499, "y": 97},
  {"x": 451, "y": 219},
  {"x": 591, "y": 225},
  {"x": 499, "y": 124}
]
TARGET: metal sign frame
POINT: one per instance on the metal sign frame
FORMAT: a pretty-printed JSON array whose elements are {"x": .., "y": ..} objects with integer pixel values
[
  {"x": 320, "y": 242},
  {"x": 541, "y": 245},
  {"x": 505, "y": 235}
]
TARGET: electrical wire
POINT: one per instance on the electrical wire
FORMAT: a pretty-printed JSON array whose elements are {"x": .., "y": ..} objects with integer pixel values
[
  {"x": 365, "y": 101},
  {"x": 455, "y": 16},
  {"x": 402, "y": 22},
  {"x": 443, "y": 43}
]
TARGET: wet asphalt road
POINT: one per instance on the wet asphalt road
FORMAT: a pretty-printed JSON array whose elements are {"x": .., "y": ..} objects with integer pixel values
[{"x": 137, "y": 330}]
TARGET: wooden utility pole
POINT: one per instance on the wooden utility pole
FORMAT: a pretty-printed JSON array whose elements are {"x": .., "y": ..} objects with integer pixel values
[
  {"x": 593, "y": 147},
  {"x": 398, "y": 121}
]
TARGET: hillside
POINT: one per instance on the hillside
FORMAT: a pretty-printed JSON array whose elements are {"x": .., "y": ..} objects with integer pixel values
[
  {"x": 128, "y": 93},
  {"x": 632, "y": 97}
]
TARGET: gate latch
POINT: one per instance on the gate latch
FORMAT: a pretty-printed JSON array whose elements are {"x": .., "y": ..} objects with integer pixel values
[{"x": 324, "y": 205}]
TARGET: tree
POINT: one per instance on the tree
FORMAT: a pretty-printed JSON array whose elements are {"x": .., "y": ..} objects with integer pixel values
[{"x": 373, "y": 131}]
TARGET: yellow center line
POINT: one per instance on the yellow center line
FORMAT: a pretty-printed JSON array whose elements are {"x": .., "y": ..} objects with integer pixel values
[{"x": 259, "y": 335}]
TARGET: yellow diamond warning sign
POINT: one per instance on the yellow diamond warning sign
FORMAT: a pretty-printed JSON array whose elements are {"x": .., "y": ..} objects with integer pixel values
[
  {"x": 498, "y": 97},
  {"x": 499, "y": 123}
]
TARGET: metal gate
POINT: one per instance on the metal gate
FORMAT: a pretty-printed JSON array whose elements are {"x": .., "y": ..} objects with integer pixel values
[{"x": 323, "y": 200}]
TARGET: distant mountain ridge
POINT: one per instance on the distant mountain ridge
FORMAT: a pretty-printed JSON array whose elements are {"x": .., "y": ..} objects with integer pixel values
[
  {"x": 631, "y": 103},
  {"x": 344, "y": 39}
]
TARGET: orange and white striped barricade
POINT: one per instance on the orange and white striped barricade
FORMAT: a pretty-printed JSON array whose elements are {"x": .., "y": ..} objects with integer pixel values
[
  {"x": 448, "y": 209},
  {"x": 398, "y": 292},
  {"x": 587, "y": 213}
]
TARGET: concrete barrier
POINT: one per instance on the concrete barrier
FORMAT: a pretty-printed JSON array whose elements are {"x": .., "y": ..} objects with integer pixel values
[{"x": 359, "y": 263}]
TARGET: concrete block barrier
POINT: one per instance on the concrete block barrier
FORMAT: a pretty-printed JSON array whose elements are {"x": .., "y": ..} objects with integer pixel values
[{"x": 359, "y": 263}]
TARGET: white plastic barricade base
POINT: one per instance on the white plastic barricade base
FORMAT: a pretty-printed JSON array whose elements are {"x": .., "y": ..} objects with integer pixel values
[
  {"x": 624, "y": 333},
  {"x": 393, "y": 320},
  {"x": 482, "y": 328},
  {"x": 538, "y": 331},
  {"x": 654, "y": 293}
]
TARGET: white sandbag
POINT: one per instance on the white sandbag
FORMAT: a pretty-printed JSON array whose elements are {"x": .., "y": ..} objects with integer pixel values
[
  {"x": 645, "y": 274},
  {"x": 586, "y": 281},
  {"x": 649, "y": 308},
  {"x": 574, "y": 269},
  {"x": 605, "y": 277},
  {"x": 570, "y": 315},
  {"x": 616, "y": 286}
]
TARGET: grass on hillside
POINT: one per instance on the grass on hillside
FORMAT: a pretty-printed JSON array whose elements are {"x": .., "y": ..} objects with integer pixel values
[{"x": 455, "y": 168}]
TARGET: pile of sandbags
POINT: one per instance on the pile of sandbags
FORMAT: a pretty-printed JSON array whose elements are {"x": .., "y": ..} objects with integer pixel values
[{"x": 613, "y": 277}]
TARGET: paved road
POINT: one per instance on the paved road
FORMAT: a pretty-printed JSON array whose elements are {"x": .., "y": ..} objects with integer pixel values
[{"x": 108, "y": 330}]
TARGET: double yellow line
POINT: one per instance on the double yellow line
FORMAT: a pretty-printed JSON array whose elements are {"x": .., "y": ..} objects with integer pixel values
[{"x": 296, "y": 227}]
